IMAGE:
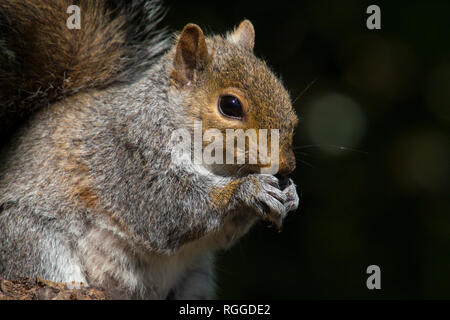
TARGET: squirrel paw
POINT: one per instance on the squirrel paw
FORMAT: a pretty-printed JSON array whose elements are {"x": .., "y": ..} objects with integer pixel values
[
  {"x": 292, "y": 199},
  {"x": 269, "y": 201}
]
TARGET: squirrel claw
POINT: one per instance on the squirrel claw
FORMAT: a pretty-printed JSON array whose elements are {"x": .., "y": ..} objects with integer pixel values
[{"x": 270, "y": 202}]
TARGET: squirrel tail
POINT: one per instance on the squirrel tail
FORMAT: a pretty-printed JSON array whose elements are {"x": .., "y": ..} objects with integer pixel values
[{"x": 43, "y": 60}]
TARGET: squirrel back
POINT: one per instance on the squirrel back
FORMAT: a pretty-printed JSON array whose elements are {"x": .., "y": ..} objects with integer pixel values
[{"x": 42, "y": 60}]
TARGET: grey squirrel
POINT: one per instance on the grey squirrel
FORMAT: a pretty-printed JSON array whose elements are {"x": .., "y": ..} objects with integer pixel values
[{"x": 90, "y": 192}]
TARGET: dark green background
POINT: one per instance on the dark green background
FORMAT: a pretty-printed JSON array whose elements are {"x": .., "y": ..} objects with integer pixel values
[{"x": 387, "y": 206}]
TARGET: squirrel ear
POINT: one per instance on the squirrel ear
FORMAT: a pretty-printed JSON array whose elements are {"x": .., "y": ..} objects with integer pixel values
[
  {"x": 244, "y": 35},
  {"x": 191, "y": 54}
]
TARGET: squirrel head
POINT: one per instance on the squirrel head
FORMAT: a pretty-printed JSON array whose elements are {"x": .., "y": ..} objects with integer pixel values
[{"x": 223, "y": 85}]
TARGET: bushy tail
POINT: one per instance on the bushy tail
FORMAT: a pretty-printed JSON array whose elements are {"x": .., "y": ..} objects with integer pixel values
[{"x": 42, "y": 60}]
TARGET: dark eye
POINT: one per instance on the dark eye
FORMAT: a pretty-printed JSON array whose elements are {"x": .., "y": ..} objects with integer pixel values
[{"x": 230, "y": 106}]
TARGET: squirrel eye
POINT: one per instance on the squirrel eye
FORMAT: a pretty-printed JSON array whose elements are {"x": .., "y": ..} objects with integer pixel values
[{"x": 231, "y": 107}]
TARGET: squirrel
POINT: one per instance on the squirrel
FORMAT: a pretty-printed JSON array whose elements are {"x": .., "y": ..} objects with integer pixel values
[{"x": 90, "y": 190}]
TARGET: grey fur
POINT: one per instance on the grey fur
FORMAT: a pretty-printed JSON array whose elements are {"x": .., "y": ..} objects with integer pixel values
[{"x": 89, "y": 194}]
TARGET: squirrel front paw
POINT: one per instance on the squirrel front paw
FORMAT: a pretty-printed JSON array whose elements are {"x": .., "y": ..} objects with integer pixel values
[
  {"x": 292, "y": 199},
  {"x": 263, "y": 194}
]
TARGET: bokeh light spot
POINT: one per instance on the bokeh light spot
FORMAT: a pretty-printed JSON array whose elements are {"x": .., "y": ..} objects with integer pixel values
[{"x": 335, "y": 120}]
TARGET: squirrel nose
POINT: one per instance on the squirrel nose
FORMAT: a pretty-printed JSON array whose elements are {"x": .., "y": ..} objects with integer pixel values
[
  {"x": 287, "y": 165},
  {"x": 286, "y": 170}
]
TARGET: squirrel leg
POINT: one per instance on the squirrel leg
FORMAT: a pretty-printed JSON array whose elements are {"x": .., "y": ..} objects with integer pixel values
[
  {"x": 198, "y": 281},
  {"x": 31, "y": 244}
]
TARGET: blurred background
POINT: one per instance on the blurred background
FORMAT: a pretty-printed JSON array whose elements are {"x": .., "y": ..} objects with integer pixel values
[{"x": 372, "y": 148}]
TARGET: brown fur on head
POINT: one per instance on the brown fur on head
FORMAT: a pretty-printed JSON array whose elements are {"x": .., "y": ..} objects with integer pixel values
[{"x": 208, "y": 68}]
